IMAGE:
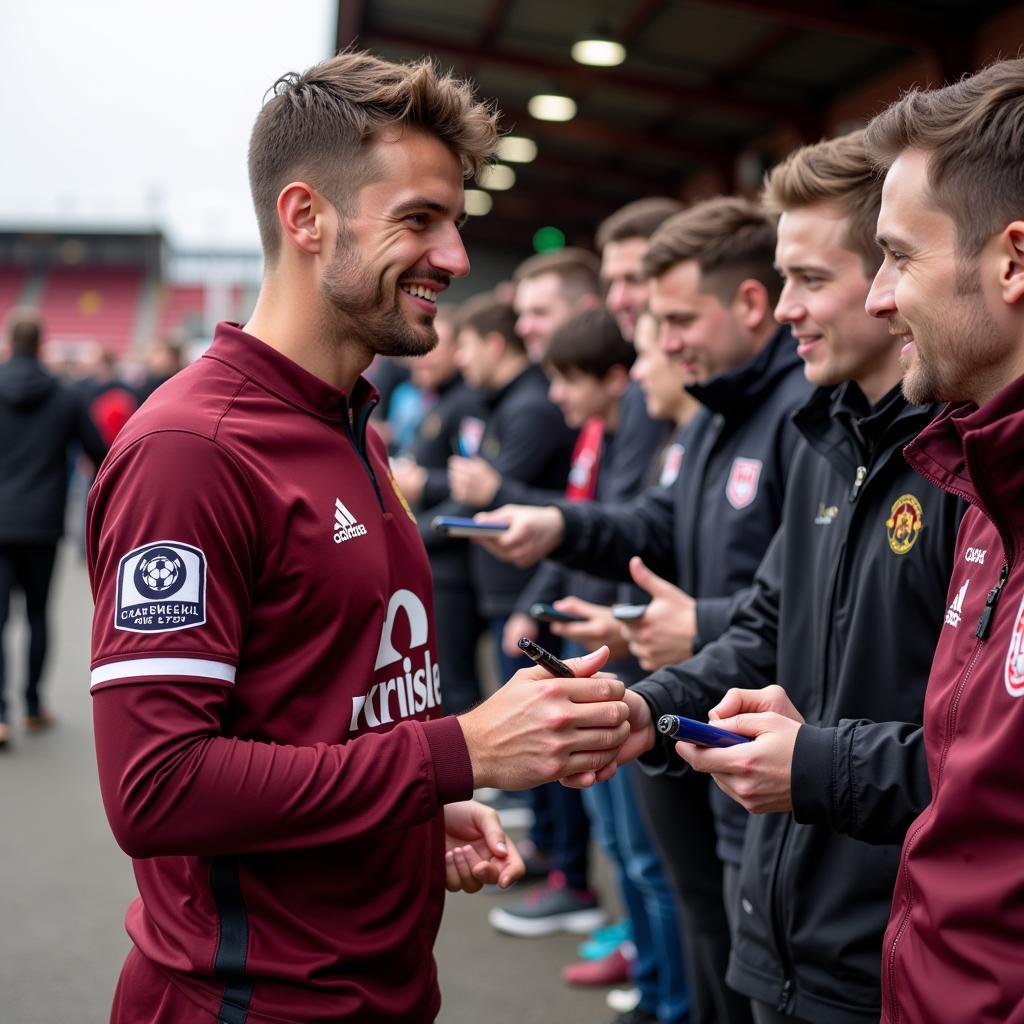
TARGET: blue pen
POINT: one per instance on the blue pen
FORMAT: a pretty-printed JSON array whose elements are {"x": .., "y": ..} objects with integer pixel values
[{"x": 678, "y": 728}]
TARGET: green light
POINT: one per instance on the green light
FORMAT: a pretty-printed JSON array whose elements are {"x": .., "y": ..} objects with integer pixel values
[{"x": 548, "y": 239}]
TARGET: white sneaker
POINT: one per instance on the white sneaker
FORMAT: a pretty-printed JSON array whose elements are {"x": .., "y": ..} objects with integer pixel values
[{"x": 623, "y": 1000}]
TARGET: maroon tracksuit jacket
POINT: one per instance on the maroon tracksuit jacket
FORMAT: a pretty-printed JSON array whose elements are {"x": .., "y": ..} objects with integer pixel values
[{"x": 952, "y": 949}]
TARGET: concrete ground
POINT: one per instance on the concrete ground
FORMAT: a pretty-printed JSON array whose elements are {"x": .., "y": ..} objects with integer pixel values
[{"x": 64, "y": 884}]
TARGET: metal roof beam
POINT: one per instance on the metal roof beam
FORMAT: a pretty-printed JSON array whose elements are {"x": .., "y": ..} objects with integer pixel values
[{"x": 579, "y": 78}]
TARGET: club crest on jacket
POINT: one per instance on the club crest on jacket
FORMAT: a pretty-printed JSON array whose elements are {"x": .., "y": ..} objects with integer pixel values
[{"x": 904, "y": 523}]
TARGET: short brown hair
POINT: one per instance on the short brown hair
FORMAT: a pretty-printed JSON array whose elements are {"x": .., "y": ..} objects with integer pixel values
[
  {"x": 639, "y": 219},
  {"x": 485, "y": 314},
  {"x": 578, "y": 271},
  {"x": 974, "y": 133},
  {"x": 318, "y": 125},
  {"x": 731, "y": 240},
  {"x": 589, "y": 342},
  {"x": 25, "y": 331},
  {"x": 836, "y": 171}
]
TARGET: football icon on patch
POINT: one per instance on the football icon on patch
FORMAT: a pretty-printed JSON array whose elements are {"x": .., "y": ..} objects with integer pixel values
[
  {"x": 161, "y": 587},
  {"x": 160, "y": 573}
]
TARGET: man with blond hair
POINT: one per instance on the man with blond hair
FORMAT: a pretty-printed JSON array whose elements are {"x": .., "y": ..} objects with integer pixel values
[
  {"x": 844, "y": 614},
  {"x": 265, "y": 674}
]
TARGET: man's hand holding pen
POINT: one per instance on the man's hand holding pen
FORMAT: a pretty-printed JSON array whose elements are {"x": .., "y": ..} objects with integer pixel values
[{"x": 539, "y": 727}]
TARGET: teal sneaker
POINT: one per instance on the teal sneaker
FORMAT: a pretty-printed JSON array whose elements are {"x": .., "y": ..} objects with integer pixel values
[{"x": 606, "y": 940}]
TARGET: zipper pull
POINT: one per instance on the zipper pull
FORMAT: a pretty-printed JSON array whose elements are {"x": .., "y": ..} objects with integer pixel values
[
  {"x": 787, "y": 988},
  {"x": 862, "y": 472},
  {"x": 990, "y": 603}
]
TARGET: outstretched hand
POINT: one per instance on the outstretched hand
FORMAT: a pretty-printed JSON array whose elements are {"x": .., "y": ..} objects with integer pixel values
[
  {"x": 598, "y": 627},
  {"x": 477, "y": 851},
  {"x": 664, "y": 635},
  {"x": 532, "y": 534}
]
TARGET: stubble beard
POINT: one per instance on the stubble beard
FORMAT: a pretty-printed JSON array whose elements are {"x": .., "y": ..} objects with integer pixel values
[
  {"x": 970, "y": 336},
  {"x": 356, "y": 306}
]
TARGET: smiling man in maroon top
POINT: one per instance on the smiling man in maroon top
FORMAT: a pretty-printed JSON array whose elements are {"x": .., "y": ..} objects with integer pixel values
[{"x": 265, "y": 674}]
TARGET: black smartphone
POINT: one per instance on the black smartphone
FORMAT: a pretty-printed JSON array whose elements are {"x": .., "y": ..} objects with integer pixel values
[
  {"x": 628, "y": 612},
  {"x": 460, "y": 526},
  {"x": 549, "y": 613}
]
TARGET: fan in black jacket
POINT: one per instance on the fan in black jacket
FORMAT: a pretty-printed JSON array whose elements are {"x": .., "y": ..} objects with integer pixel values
[{"x": 41, "y": 419}]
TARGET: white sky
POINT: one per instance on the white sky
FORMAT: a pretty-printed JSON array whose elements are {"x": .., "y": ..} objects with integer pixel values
[{"x": 138, "y": 113}]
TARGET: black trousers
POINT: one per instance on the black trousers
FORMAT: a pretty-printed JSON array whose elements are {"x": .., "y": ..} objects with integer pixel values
[
  {"x": 28, "y": 568},
  {"x": 678, "y": 812}
]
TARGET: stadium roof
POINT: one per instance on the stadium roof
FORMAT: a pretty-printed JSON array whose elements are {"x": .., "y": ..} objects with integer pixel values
[{"x": 703, "y": 82}]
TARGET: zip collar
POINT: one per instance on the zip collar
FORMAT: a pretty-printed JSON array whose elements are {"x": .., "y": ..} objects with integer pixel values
[
  {"x": 287, "y": 380},
  {"x": 733, "y": 392},
  {"x": 978, "y": 453},
  {"x": 839, "y": 424}
]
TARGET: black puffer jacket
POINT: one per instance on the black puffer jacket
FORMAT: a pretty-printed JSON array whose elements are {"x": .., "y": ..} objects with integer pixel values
[
  {"x": 40, "y": 418},
  {"x": 844, "y": 614}
]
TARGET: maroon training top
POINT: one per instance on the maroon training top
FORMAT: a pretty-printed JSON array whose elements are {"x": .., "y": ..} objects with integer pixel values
[{"x": 267, "y": 696}]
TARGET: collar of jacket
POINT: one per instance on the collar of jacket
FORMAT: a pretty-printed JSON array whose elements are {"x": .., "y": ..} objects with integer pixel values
[
  {"x": 978, "y": 454},
  {"x": 736, "y": 390},
  {"x": 839, "y": 424},
  {"x": 496, "y": 396}
]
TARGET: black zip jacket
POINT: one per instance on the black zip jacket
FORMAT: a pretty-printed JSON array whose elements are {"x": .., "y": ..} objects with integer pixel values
[
  {"x": 41, "y": 417},
  {"x": 528, "y": 442},
  {"x": 437, "y": 439},
  {"x": 709, "y": 531},
  {"x": 844, "y": 613}
]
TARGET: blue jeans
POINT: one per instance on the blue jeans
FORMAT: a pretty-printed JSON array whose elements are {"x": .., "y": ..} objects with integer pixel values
[
  {"x": 660, "y": 968},
  {"x": 560, "y": 823}
]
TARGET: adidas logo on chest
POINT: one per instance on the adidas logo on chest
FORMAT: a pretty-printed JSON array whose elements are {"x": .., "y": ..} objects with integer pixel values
[{"x": 346, "y": 526}]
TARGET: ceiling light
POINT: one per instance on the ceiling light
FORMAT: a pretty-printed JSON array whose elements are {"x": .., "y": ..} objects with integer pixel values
[
  {"x": 496, "y": 178},
  {"x": 517, "y": 149},
  {"x": 478, "y": 202},
  {"x": 599, "y": 50},
  {"x": 550, "y": 107}
]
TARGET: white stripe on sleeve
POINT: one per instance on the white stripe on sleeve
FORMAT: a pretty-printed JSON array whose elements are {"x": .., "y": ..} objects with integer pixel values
[{"x": 193, "y": 668}]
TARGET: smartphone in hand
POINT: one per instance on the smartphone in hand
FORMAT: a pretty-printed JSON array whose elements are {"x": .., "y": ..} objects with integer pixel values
[
  {"x": 461, "y": 526},
  {"x": 628, "y": 612},
  {"x": 549, "y": 613}
]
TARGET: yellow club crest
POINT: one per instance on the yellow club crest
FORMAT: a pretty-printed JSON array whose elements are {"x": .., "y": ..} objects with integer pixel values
[
  {"x": 904, "y": 523},
  {"x": 400, "y": 495}
]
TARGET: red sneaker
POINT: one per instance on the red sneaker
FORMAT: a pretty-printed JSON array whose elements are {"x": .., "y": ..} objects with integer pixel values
[{"x": 610, "y": 970}]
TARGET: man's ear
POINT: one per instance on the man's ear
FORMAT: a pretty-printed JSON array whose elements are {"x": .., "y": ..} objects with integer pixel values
[
  {"x": 496, "y": 344},
  {"x": 751, "y": 304},
  {"x": 617, "y": 380},
  {"x": 305, "y": 217},
  {"x": 1011, "y": 263}
]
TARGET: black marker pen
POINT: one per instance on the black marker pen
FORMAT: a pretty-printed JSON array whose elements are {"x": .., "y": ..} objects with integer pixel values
[{"x": 545, "y": 658}]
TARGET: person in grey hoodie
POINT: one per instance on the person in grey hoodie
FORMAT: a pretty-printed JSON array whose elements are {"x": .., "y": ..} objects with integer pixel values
[{"x": 41, "y": 419}]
